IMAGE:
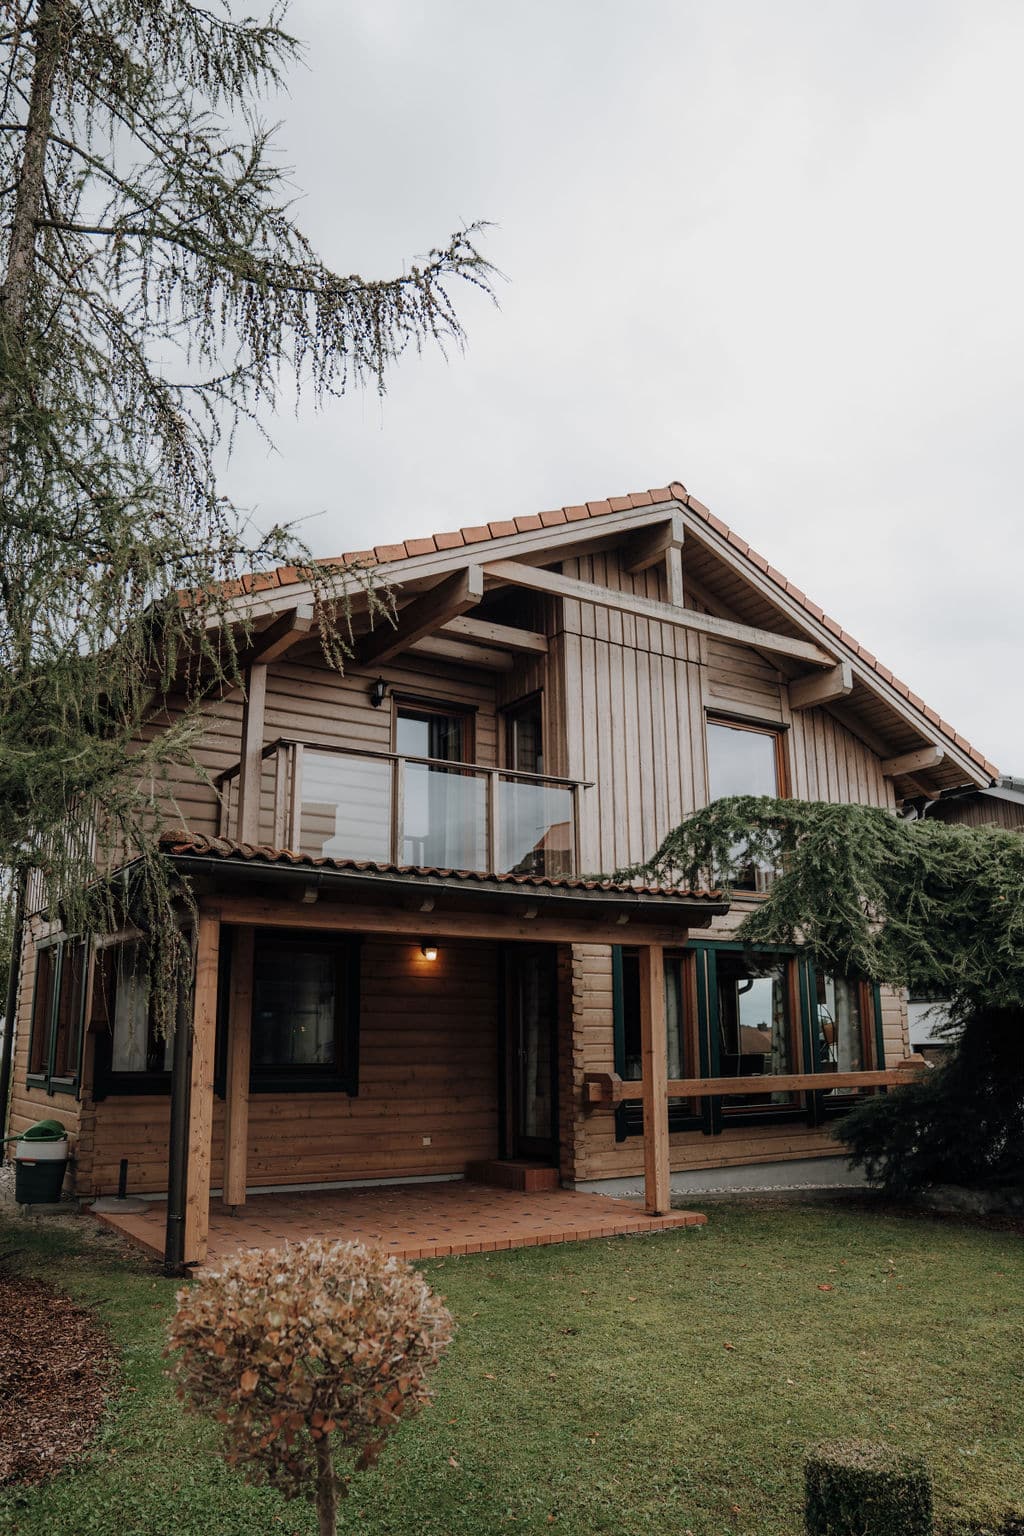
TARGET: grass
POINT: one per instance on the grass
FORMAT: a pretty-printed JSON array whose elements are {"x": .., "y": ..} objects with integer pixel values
[{"x": 665, "y": 1384}]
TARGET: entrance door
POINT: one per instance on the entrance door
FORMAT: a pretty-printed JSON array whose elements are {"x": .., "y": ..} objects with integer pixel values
[{"x": 531, "y": 1055}]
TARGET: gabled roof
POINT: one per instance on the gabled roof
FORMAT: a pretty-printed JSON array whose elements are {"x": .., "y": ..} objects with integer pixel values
[{"x": 781, "y": 594}]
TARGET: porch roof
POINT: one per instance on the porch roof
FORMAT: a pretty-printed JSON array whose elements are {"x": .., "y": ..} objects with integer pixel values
[{"x": 238, "y": 863}]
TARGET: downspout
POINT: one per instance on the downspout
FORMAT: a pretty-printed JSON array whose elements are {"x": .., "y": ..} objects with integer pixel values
[
  {"x": 11, "y": 1005},
  {"x": 177, "y": 1157}
]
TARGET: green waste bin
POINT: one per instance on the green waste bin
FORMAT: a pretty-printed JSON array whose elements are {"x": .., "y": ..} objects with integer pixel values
[{"x": 40, "y": 1163}]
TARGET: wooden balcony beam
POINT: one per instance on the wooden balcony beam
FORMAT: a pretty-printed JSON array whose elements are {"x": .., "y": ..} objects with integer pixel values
[
  {"x": 484, "y": 632},
  {"x": 512, "y": 572},
  {"x": 913, "y": 762},
  {"x": 451, "y": 597},
  {"x": 821, "y": 687},
  {"x": 650, "y": 545},
  {"x": 486, "y": 656},
  {"x": 285, "y": 632}
]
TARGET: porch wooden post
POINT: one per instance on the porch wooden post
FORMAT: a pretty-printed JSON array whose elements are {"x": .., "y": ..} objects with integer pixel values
[
  {"x": 200, "y": 1104},
  {"x": 251, "y": 766},
  {"x": 239, "y": 1040},
  {"x": 654, "y": 1065}
]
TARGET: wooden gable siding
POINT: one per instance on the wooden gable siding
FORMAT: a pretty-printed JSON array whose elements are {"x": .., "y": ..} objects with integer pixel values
[
  {"x": 428, "y": 1069},
  {"x": 636, "y": 695}
]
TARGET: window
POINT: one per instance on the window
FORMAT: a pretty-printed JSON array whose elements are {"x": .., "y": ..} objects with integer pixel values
[
  {"x": 130, "y": 1055},
  {"x": 736, "y": 1013},
  {"x": 444, "y": 810},
  {"x": 524, "y": 742},
  {"x": 755, "y": 1035},
  {"x": 58, "y": 1002},
  {"x": 535, "y": 821},
  {"x": 305, "y": 1014},
  {"x": 745, "y": 760},
  {"x": 628, "y": 1058}
]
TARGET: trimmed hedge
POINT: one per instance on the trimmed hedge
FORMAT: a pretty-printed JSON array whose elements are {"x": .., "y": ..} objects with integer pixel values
[{"x": 861, "y": 1488}]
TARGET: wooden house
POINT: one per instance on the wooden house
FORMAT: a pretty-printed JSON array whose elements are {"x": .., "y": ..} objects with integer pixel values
[{"x": 406, "y": 966}]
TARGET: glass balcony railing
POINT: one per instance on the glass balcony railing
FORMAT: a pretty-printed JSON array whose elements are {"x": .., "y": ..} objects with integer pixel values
[{"x": 352, "y": 803}]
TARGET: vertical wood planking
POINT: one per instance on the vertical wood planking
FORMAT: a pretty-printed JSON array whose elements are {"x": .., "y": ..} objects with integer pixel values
[
  {"x": 239, "y": 1045},
  {"x": 200, "y": 1106}
]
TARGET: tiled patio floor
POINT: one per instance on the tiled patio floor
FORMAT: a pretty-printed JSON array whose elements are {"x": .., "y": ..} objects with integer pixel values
[{"x": 414, "y": 1221}]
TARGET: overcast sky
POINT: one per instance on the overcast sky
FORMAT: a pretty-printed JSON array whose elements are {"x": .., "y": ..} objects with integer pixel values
[{"x": 775, "y": 251}]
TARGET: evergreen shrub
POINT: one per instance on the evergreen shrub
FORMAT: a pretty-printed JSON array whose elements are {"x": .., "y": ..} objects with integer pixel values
[{"x": 862, "y": 1488}]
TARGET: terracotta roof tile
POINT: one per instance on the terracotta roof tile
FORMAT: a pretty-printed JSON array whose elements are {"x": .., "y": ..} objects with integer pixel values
[
  {"x": 179, "y": 844},
  {"x": 674, "y": 491}
]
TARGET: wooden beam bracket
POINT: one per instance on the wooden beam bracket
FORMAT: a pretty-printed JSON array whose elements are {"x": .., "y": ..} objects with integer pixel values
[
  {"x": 534, "y": 578},
  {"x": 451, "y": 597},
  {"x": 821, "y": 687},
  {"x": 913, "y": 762}
]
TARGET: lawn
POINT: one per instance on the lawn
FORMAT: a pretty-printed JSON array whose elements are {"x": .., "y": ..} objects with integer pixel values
[{"x": 663, "y": 1384}]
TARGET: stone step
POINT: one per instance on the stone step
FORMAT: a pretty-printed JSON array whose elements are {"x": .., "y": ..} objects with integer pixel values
[{"x": 513, "y": 1173}]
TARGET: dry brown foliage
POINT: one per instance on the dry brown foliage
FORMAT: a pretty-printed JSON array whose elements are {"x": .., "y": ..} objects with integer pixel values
[{"x": 300, "y": 1351}]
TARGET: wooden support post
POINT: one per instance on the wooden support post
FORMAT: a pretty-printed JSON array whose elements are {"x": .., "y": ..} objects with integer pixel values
[
  {"x": 654, "y": 1065},
  {"x": 239, "y": 1040},
  {"x": 247, "y": 825},
  {"x": 200, "y": 1102}
]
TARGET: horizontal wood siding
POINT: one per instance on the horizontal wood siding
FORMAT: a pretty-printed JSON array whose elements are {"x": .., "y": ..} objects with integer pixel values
[{"x": 428, "y": 1070}]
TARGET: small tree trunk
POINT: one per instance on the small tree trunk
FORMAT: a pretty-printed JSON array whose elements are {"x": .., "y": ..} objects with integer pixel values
[{"x": 326, "y": 1488}]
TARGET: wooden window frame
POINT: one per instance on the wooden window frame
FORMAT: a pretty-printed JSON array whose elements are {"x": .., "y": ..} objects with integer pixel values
[
  {"x": 810, "y": 1106},
  {"x": 346, "y": 949},
  {"x": 106, "y": 1082},
  {"x": 47, "y": 1080},
  {"x": 683, "y": 1114},
  {"x": 779, "y": 730},
  {"x": 535, "y": 696},
  {"x": 419, "y": 705}
]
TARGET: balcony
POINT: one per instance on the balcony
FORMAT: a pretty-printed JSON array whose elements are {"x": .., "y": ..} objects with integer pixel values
[{"x": 352, "y": 803}]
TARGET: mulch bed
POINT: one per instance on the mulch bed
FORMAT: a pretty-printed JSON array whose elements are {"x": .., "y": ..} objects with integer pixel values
[{"x": 55, "y": 1370}]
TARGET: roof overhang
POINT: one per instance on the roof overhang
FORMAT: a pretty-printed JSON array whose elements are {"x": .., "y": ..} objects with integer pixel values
[{"x": 286, "y": 890}]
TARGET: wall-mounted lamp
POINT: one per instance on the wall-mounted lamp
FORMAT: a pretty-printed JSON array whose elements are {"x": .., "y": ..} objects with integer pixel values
[
  {"x": 378, "y": 692},
  {"x": 428, "y": 949}
]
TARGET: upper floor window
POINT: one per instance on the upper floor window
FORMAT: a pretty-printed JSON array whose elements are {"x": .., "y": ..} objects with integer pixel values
[
  {"x": 524, "y": 742},
  {"x": 421, "y": 730},
  {"x": 444, "y": 810},
  {"x": 58, "y": 1003},
  {"x": 745, "y": 760}
]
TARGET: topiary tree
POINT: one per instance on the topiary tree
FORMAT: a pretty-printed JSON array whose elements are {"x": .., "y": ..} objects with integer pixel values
[
  {"x": 921, "y": 904},
  {"x": 304, "y": 1351}
]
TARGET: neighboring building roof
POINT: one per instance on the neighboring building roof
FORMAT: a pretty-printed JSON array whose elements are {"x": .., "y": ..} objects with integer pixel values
[
  {"x": 230, "y": 851},
  {"x": 472, "y": 536}
]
